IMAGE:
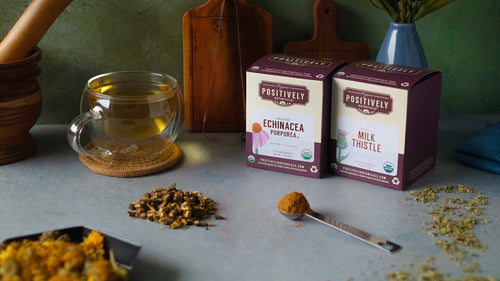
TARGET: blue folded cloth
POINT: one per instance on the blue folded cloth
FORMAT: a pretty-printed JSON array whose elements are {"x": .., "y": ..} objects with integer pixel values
[{"x": 482, "y": 150}]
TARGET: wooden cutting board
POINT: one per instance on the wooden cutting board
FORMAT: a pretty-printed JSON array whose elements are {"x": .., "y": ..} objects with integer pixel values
[
  {"x": 325, "y": 43},
  {"x": 221, "y": 38}
]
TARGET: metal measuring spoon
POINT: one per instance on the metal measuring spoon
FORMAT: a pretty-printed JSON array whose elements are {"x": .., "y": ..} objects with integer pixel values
[{"x": 371, "y": 239}]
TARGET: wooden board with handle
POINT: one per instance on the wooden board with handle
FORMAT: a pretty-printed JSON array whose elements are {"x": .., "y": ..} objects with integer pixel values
[
  {"x": 325, "y": 43},
  {"x": 221, "y": 38}
]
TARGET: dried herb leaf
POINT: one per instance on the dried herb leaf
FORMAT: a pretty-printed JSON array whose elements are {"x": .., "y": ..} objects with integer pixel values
[{"x": 174, "y": 207}]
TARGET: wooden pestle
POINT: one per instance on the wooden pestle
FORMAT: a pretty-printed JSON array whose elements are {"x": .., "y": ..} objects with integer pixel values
[{"x": 30, "y": 28}]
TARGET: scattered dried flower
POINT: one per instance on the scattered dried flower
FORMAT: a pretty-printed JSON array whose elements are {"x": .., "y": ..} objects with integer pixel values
[{"x": 452, "y": 225}]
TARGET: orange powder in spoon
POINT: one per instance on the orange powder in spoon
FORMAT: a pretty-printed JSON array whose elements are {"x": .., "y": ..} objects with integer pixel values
[{"x": 294, "y": 203}]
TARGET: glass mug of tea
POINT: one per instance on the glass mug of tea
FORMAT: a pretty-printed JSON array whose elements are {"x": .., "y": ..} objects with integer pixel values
[{"x": 127, "y": 115}]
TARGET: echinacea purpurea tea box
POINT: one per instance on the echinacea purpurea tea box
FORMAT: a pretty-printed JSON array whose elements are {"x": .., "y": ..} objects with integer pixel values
[
  {"x": 384, "y": 123},
  {"x": 288, "y": 103}
]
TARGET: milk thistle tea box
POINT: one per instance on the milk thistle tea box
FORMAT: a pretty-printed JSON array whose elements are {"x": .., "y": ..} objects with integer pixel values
[
  {"x": 384, "y": 125},
  {"x": 288, "y": 103}
]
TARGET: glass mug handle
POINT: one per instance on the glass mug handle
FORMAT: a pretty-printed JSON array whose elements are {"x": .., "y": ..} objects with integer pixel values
[{"x": 77, "y": 126}]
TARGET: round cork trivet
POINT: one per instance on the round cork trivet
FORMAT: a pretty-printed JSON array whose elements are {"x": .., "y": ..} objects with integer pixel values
[{"x": 133, "y": 168}]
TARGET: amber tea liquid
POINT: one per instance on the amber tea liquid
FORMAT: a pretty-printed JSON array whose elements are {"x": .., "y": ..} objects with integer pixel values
[{"x": 134, "y": 111}]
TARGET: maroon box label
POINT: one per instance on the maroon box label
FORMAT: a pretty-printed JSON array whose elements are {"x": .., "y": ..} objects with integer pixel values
[
  {"x": 368, "y": 103},
  {"x": 298, "y": 61},
  {"x": 283, "y": 94},
  {"x": 371, "y": 72},
  {"x": 389, "y": 68},
  {"x": 296, "y": 67}
]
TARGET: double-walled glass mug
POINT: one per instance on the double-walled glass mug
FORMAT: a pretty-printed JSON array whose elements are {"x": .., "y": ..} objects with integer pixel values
[{"x": 127, "y": 115}]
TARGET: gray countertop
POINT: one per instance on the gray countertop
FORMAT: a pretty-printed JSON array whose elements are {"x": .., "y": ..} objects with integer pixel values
[{"x": 53, "y": 189}]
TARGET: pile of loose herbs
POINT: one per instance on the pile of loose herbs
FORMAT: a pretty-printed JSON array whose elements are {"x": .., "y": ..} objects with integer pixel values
[
  {"x": 453, "y": 220},
  {"x": 408, "y": 11},
  {"x": 174, "y": 207}
]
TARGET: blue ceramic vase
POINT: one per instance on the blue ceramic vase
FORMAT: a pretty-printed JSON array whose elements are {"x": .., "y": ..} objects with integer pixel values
[{"x": 402, "y": 46}]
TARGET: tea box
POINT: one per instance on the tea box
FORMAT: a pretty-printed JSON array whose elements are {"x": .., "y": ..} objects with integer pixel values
[
  {"x": 288, "y": 114},
  {"x": 384, "y": 123}
]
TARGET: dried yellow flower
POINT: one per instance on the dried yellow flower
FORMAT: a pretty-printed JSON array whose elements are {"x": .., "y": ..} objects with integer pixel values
[{"x": 55, "y": 258}]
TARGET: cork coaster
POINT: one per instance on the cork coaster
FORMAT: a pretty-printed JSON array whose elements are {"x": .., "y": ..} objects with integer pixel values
[{"x": 121, "y": 168}]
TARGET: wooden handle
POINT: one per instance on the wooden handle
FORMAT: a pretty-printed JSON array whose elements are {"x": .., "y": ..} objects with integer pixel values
[
  {"x": 325, "y": 43},
  {"x": 30, "y": 28},
  {"x": 326, "y": 17}
]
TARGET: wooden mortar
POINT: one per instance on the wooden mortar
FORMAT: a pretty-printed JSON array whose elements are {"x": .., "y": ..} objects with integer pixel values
[
  {"x": 20, "y": 107},
  {"x": 20, "y": 95}
]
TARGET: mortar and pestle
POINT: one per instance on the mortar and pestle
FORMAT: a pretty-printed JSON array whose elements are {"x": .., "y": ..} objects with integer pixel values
[{"x": 20, "y": 95}]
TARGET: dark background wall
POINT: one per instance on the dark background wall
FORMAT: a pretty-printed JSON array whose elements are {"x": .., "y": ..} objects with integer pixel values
[{"x": 95, "y": 36}]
